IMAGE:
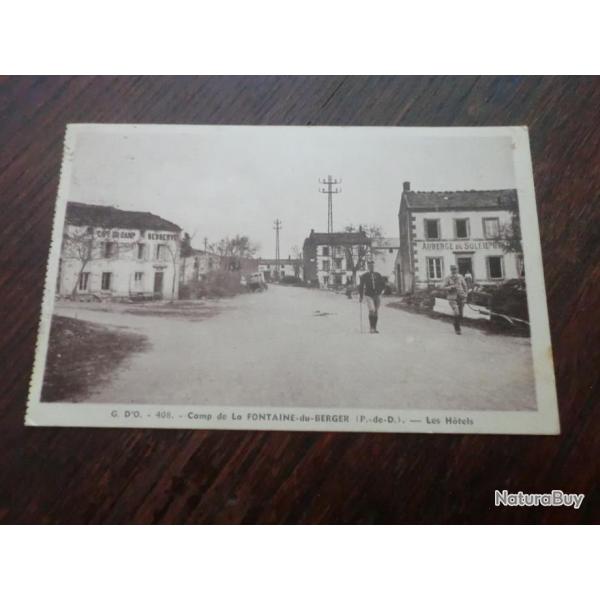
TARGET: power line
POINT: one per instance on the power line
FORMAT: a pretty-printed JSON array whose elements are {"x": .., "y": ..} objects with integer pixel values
[
  {"x": 278, "y": 226},
  {"x": 330, "y": 182}
]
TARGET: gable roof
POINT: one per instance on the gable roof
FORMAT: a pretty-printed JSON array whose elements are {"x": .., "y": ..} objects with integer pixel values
[
  {"x": 109, "y": 217},
  {"x": 343, "y": 238},
  {"x": 467, "y": 199},
  {"x": 281, "y": 261}
]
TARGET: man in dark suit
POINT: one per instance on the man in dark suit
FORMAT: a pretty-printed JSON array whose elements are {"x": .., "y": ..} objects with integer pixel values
[{"x": 371, "y": 287}]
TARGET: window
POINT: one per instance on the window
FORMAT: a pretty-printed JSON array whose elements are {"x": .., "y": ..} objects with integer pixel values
[
  {"x": 84, "y": 279},
  {"x": 491, "y": 227},
  {"x": 494, "y": 266},
  {"x": 338, "y": 263},
  {"x": 391, "y": 250},
  {"x": 432, "y": 229},
  {"x": 161, "y": 252},
  {"x": 337, "y": 279},
  {"x": 325, "y": 250},
  {"x": 520, "y": 266},
  {"x": 434, "y": 268},
  {"x": 106, "y": 281},
  {"x": 138, "y": 280},
  {"x": 461, "y": 229},
  {"x": 326, "y": 265},
  {"x": 141, "y": 253},
  {"x": 326, "y": 280},
  {"x": 109, "y": 249},
  {"x": 465, "y": 265}
]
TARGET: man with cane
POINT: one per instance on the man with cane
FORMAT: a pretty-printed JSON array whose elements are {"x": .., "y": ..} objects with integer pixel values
[{"x": 371, "y": 286}]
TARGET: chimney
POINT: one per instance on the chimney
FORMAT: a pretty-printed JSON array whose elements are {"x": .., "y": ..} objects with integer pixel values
[
  {"x": 312, "y": 231},
  {"x": 406, "y": 186}
]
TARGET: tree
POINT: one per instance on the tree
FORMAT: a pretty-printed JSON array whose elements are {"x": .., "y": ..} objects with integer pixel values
[
  {"x": 356, "y": 255},
  {"x": 83, "y": 244},
  {"x": 174, "y": 260},
  {"x": 296, "y": 255},
  {"x": 233, "y": 249},
  {"x": 509, "y": 234},
  {"x": 241, "y": 246},
  {"x": 78, "y": 245},
  {"x": 186, "y": 245}
]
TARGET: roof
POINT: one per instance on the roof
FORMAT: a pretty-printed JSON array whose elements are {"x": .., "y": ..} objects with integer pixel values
[
  {"x": 274, "y": 261},
  {"x": 386, "y": 243},
  {"x": 110, "y": 217},
  {"x": 468, "y": 199},
  {"x": 344, "y": 238},
  {"x": 197, "y": 252}
]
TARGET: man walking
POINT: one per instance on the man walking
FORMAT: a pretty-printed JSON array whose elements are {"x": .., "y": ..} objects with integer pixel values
[
  {"x": 371, "y": 285},
  {"x": 456, "y": 286}
]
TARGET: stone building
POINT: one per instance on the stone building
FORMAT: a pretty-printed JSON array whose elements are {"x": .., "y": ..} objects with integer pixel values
[
  {"x": 274, "y": 269},
  {"x": 112, "y": 253},
  {"x": 332, "y": 259},
  {"x": 197, "y": 264},
  {"x": 478, "y": 231}
]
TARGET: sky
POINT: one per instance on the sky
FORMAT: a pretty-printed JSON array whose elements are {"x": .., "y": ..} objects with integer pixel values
[{"x": 218, "y": 181}]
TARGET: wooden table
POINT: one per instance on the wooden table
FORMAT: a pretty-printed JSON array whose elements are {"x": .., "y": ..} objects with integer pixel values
[{"x": 54, "y": 475}]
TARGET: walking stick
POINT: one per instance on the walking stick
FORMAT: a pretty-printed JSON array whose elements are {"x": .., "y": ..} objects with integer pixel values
[{"x": 361, "y": 319}]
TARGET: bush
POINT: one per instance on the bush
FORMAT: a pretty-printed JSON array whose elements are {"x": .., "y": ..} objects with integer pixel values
[
  {"x": 510, "y": 299},
  {"x": 216, "y": 284}
]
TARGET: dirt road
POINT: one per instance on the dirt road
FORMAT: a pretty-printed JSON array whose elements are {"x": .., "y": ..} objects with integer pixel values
[{"x": 298, "y": 347}]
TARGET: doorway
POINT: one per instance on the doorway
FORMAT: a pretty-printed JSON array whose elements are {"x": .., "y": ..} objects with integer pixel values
[
  {"x": 158, "y": 282},
  {"x": 464, "y": 264}
]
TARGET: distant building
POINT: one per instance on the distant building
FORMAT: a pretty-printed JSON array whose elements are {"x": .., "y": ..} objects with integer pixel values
[
  {"x": 385, "y": 252},
  {"x": 112, "y": 253},
  {"x": 196, "y": 269},
  {"x": 244, "y": 265},
  {"x": 285, "y": 267},
  {"x": 330, "y": 258},
  {"x": 197, "y": 265},
  {"x": 469, "y": 229}
]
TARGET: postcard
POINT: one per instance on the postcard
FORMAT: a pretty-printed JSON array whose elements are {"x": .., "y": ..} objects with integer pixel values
[{"x": 378, "y": 279}]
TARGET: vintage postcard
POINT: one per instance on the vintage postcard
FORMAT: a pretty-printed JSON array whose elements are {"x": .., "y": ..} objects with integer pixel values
[{"x": 297, "y": 278}]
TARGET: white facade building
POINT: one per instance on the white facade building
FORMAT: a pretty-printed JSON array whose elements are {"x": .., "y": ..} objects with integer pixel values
[
  {"x": 285, "y": 267},
  {"x": 385, "y": 252},
  {"x": 474, "y": 230},
  {"x": 113, "y": 253},
  {"x": 332, "y": 259}
]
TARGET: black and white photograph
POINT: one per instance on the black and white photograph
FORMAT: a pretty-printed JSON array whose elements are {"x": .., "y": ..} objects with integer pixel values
[{"x": 337, "y": 278}]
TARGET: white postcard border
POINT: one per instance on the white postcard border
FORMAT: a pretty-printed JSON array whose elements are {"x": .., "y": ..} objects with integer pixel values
[{"x": 544, "y": 420}]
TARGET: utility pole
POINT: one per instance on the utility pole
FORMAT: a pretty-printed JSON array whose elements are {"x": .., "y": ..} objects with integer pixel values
[
  {"x": 330, "y": 190},
  {"x": 277, "y": 228}
]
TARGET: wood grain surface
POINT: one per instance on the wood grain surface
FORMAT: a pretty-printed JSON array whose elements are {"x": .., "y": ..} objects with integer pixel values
[{"x": 60, "y": 475}]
